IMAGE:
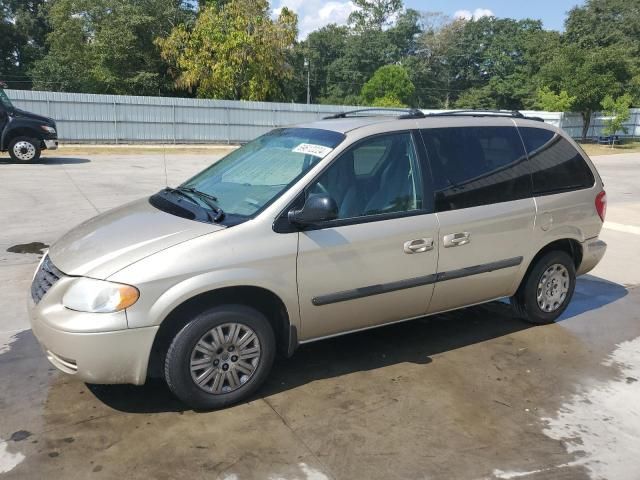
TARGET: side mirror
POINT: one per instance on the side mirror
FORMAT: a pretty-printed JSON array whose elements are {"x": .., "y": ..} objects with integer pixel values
[{"x": 317, "y": 209}]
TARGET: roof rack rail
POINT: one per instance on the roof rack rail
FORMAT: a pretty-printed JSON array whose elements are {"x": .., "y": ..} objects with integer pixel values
[
  {"x": 485, "y": 113},
  {"x": 480, "y": 113},
  {"x": 406, "y": 113}
]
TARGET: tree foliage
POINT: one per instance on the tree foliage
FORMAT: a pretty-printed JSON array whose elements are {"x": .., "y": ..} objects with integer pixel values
[
  {"x": 389, "y": 85},
  {"x": 107, "y": 46},
  {"x": 587, "y": 76},
  {"x": 617, "y": 113},
  {"x": 374, "y": 14},
  {"x": 23, "y": 29},
  {"x": 234, "y": 51},
  {"x": 241, "y": 49},
  {"x": 551, "y": 101}
]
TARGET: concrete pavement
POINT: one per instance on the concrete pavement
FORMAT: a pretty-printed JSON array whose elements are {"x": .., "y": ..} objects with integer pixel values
[{"x": 472, "y": 394}]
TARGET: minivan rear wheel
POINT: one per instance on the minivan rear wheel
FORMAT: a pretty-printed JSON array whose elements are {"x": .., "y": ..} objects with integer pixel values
[
  {"x": 220, "y": 357},
  {"x": 547, "y": 290}
]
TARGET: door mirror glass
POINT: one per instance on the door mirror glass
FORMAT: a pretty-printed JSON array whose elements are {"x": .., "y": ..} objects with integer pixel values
[{"x": 317, "y": 209}]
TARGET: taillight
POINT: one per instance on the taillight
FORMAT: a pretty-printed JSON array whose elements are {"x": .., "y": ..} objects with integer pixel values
[{"x": 601, "y": 204}]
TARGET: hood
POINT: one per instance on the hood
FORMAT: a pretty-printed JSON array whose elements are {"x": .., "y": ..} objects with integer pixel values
[
  {"x": 107, "y": 243},
  {"x": 32, "y": 116}
]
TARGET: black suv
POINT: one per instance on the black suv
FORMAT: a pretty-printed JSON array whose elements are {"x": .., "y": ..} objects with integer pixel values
[{"x": 24, "y": 134}]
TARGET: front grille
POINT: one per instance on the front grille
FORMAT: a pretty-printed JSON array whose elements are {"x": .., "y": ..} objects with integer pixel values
[{"x": 46, "y": 276}]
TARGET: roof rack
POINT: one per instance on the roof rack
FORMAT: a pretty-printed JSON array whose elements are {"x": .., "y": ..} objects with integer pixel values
[
  {"x": 485, "y": 113},
  {"x": 406, "y": 113}
]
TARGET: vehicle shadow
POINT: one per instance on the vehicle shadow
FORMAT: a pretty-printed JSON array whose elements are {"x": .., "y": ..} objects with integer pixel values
[
  {"x": 48, "y": 161},
  {"x": 415, "y": 342},
  {"x": 592, "y": 293}
]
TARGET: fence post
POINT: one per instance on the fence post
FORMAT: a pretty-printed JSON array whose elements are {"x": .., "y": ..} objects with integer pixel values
[
  {"x": 174, "y": 121},
  {"x": 227, "y": 112},
  {"x": 115, "y": 121}
]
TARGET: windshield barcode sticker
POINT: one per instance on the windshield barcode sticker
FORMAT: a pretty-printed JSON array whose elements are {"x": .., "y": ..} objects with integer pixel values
[{"x": 311, "y": 149}]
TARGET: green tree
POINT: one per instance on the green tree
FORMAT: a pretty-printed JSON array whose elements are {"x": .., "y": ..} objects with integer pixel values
[
  {"x": 374, "y": 14},
  {"x": 107, "y": 46},
  {"x": 587, "y": 75},
  {"x": 366, "y": 51},
  {"x": 476, "y": 98},
  {"x": 493, "y": 58},
  {"x": 321, "y": 48},
  {"x": 23, "y": 30},
  {"x": 551, "y": 101},
  {"x": 388, "y": 101},
  {"x": 603, "y": 23},
  {"x": 617, "y": 113},
  {"x": 235, "y": 51},
  {"x": 390, "y": 84}
]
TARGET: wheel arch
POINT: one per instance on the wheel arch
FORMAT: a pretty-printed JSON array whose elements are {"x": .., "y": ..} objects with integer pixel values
[
  {"x": 260, "y": 298},
  {"x": 20, "y": 132},
  {"x": 571, "y": 246}
]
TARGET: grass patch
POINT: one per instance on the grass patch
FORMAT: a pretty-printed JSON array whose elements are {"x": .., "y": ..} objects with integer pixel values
[
  {"x": 79, "y": 149},
  {"x": 626, "y": 147}
]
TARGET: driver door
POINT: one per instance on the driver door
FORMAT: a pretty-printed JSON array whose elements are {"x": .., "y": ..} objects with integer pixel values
[
  {"x": 377, "y": 262},
  {"x": 4, "y": 119}
]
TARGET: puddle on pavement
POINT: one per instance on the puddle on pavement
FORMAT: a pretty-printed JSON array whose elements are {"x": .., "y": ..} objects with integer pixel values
[{"x": 33, "y": 247}]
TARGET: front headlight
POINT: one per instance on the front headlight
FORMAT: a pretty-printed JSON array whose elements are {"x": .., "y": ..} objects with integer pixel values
[
  {"x": 99, "y": 296},
  {"x": 48, "y": 129}
]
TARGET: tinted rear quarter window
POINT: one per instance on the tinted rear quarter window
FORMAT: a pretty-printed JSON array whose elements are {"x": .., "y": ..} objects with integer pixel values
[
  {"x": 475, "y": 166},
  {"x": 556, "y": 166}
]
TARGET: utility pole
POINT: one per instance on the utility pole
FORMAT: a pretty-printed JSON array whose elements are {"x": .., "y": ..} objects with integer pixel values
[{"x": 308, "y": 67}]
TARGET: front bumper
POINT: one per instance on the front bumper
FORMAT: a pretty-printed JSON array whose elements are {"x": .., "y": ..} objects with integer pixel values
[
  {"x": 112, "y": 356},
  {"x": 592, "y": 252},
  {"x": 51, "y": 144}
]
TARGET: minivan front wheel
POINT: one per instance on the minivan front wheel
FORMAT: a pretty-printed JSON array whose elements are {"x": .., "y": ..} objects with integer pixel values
[
  {"x": 24, "y": 149},
  {"x": 220, "y": 357},
  {"x": 547, "y": 290}
]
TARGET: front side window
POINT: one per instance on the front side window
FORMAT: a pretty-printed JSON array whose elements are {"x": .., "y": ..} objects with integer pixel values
[
  {"x": 475, "y": 166},
  {"x": 246, "y": 180},
  {"x": 380, "y": 175},
  {"x": 555, "y": 165},
  {"x": 4, "y": 101}
]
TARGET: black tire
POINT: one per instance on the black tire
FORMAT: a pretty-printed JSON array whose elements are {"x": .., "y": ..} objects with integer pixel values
[
  {"x": 177, "y": 366},
  {"x": 29, "y": 153},
  {"x": 525, "y": 301}
]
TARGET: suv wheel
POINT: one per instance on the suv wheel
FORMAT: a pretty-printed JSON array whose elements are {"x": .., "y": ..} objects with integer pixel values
[
  {"x": 546, "y": 291},
  {"x": 220, "y": 357},
  {"x": 24, "y": 149}
]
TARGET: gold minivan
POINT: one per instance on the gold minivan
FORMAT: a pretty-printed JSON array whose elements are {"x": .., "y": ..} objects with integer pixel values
[{"x": 318, "y": 230}]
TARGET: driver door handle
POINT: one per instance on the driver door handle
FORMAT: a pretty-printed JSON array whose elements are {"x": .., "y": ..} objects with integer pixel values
[
  {"x": 456, "y": 239},
  {"x": 418, "y": 246}
]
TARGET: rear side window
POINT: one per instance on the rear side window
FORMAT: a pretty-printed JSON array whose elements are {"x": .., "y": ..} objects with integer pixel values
[
  {"x": 556, "y": 166},
  {"x": 475, "y": 166}
]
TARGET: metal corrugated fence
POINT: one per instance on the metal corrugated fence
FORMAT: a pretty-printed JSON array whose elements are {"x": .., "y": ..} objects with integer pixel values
[{"x": 90, "y": 118}]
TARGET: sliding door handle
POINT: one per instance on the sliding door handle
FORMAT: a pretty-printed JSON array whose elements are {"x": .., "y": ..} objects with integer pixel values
[
  {"x": 418, "y": 246},
  {"x": 456, "y": 239}
]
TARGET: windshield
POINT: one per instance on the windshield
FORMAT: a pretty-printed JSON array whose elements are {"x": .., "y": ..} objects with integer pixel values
[
  {"x": 250, "y": 177},
  {"x": 4, "y": 100}
]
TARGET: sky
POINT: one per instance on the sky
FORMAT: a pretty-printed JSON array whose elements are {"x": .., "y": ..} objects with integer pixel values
[{"x": 314, "y": 14}]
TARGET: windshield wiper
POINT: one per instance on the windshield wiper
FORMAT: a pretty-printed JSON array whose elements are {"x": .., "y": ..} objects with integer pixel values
[
  {"x": 209, "y": 200},
  {"x": 198, "y": 192}
]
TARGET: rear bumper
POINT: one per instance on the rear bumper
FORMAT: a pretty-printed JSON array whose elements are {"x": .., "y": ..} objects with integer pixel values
[{"x": 592, "y": 252}]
